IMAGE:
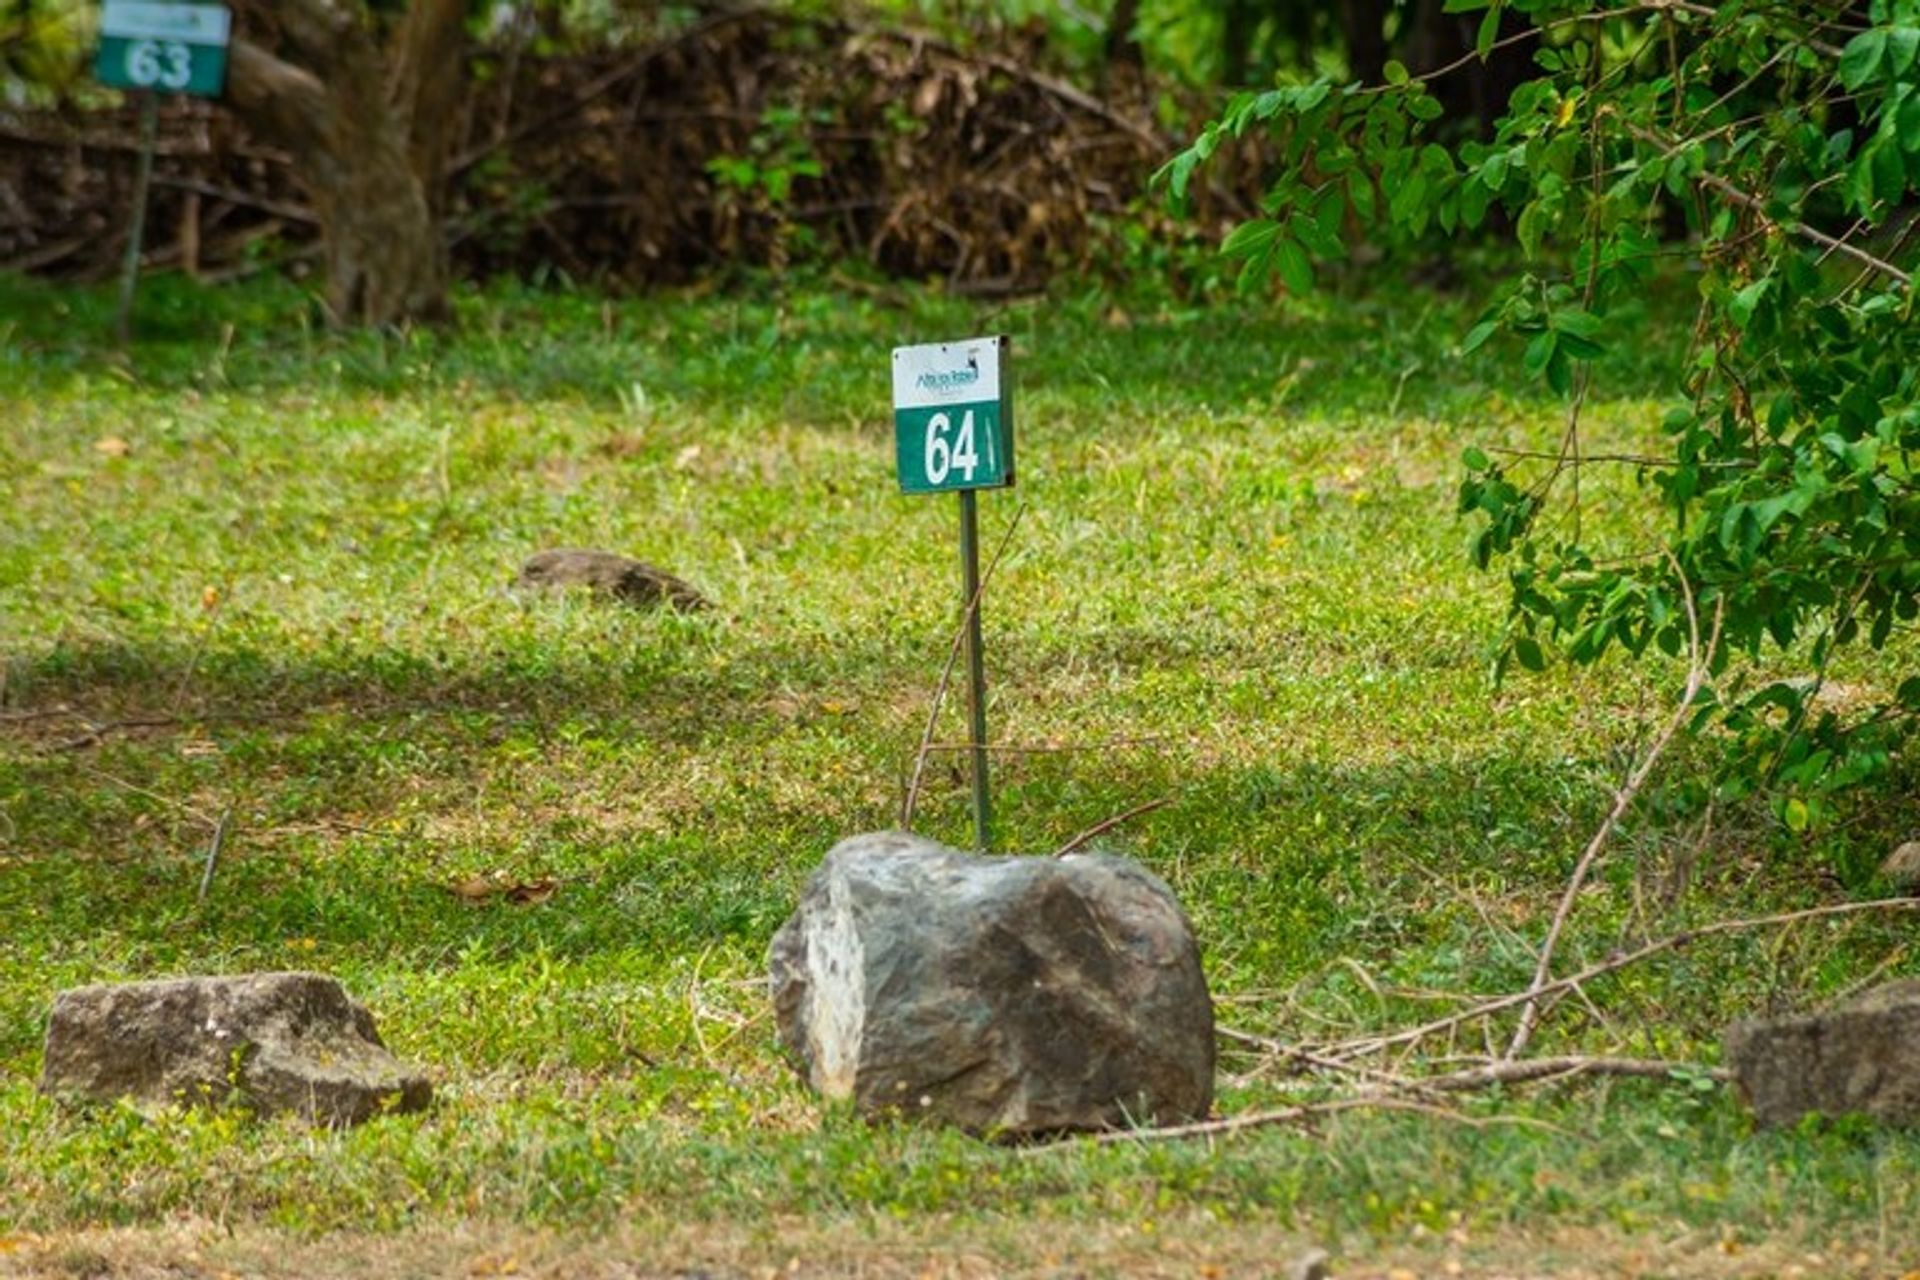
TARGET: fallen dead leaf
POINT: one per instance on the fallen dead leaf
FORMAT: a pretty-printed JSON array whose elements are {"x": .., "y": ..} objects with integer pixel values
[
  {"x": 112, "y": 447},
  {"x": 486, "y": 888}
]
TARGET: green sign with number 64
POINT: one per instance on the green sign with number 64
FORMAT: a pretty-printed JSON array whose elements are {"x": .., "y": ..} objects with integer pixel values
[{"x": 952, "y": 416}]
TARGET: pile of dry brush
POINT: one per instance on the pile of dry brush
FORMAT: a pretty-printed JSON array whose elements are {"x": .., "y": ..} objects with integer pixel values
[{"x": 749, "y": 138}]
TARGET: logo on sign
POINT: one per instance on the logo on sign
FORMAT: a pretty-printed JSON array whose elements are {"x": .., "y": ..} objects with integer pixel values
[{"x": 946, "y": 382}]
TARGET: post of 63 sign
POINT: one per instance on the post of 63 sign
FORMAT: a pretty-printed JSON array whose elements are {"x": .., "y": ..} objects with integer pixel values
[
  {"x": 154, "y": 47},
  {"x": 953, "y": 433}
]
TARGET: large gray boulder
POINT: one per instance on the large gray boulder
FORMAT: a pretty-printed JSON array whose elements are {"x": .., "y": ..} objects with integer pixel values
[
  {"x": 271, "y": 1041},
  {"x": 1861, "y": 1058},
  {"x": 1008, "y": 996}
]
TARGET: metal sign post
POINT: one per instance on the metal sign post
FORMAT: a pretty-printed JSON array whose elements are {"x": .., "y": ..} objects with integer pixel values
[
  {"x": 953, "y": 433},
  {"x": 153, "y": 48}
]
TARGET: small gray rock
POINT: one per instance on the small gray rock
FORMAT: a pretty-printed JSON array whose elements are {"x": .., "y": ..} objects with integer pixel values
[
  {"x": 620, "y": 577},
  {"x": 1902, "y": 867},
  {"x": 1311, "y": 1265},
  {"x": 1008, "y": 996},
  {"x": 272, "y": 1041},
  {"x": 1861, "y": 1058}
]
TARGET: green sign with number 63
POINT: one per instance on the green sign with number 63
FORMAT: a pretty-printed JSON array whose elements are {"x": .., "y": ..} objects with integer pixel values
[
  {"x": 168, "y": 48},
  {"x": 952, "y": 416}
]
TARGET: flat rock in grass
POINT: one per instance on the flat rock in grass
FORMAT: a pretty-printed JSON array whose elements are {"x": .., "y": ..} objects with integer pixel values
[
  {"x": 271, "y": 1041},
  {"x": 1860, "y": 1058},
  {"x": 617, "y": 577},
  {"x": 1007, "y": 996}
]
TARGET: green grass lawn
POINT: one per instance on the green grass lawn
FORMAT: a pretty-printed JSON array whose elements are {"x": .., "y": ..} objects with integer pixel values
[{"x": 252, "y": 569}]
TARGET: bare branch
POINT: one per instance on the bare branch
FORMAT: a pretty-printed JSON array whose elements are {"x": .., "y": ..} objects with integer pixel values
[
  {"x": 1486, "y": 1009},
  {"x": 1101, "y": 828},
  {"x": 1697, "y": 670}
]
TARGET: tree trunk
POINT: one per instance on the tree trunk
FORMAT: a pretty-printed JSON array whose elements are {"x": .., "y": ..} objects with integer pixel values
[
  {"x": 368, "y": 131},
  {"x": 1123, "y": 69},
  {"x": 1363, "y": 28}
]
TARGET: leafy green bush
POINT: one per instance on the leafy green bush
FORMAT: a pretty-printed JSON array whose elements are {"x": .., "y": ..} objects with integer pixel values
[{"x": 1774, "y": 148}]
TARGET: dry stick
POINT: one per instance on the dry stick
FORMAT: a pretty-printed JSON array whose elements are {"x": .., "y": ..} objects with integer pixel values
[
  {"x": 1480, "y": 1077},
  {"x": 1048, "y": 749},
  {"x": 1286, "y": 1115},
  {"x": 1059, "y": 89},
  {"x": 1697, "y": 669},
  {"x": 213, "y": 852},
  {"x": 1100, "y": 828},
  {"x": 597, "y": 88},
  {"x": 1565, "y": 1067},
  {"x": 946, "y": 672},
  {"x": 1294, "y": 1053},
  {"x": 1376, "y": 1044},
  {"x": 99, "y": 730}
]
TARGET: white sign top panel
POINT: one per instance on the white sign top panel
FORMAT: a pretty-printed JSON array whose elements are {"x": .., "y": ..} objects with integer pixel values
[
  {"x": 150, "y": 20},
  {"x": 940, "y": 373}
]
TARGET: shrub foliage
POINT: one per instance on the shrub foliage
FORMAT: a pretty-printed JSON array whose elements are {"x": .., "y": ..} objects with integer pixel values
[{"x": 1775, "y": 145}]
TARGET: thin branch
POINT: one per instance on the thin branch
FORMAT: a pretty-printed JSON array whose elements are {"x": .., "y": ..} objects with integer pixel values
[
  {"x": 235, "y": 196},
  {"x": 1101, "y": 828},
  {"x": 1288, "y": 1115},
  {"x": 1501, "y": 1004},
  {"x": 1629, "y": 459},
  {"x": 1563, "y": 1068},
  {"x": 1048, "y": 749},
  {"x": 1697, "y": 670},
  {"x": 1531, "y": 33},
  {"x": 599, "y": 87},
  {"x": 1805, "y": 232},
  {"x": 1753, "y": 203},
  {"x": 213, "y": 852},
  {"x": 908, "y": 801},
  {"x": 1058, "y": 89}
]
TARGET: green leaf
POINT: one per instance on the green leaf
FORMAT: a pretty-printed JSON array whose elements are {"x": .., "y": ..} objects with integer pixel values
[
  {"x": 1250, "y": 238},
  {"x": 1395, "y": 71},
  {"x": 1741, "y": 306},
  {"x": 1539, "y": 352},
  {"x": 1489, "y": 33},
  {"x": 1560, "y": 370},
  {"x": 1907, "y": 125},
  {"x": 1407, "y": 205},
  {"x": 1908, "y": 694},
  {"x": 1889, "y": 172},
  {"x": 1903, "y": 48},
  {"x": 1531, "y": 228},
  {"x": 1579, "y": 332},
  {"x": 1293, "y": 264},
  {"x": 1493, "y": 170},
  {"x": 1526, "y": 650},
  {"x": 1478, "y": 335},
  {"x": 1578, "y": 322},
  {"x": 1796, "y": 815},
  {"x": 1475, "y": 459},
  {"x": 1178, "y": 172},
  {"x": 1360, "y": 192},
  {"x": 1860, "y": 60},
  {"x": 1315, "y": 232}
]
